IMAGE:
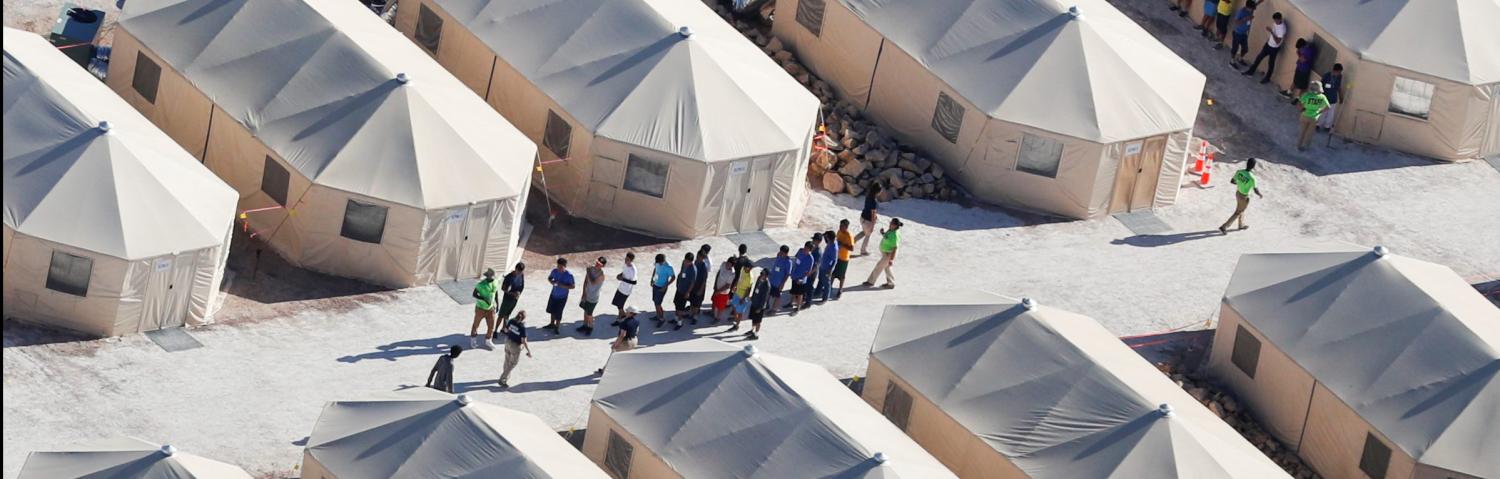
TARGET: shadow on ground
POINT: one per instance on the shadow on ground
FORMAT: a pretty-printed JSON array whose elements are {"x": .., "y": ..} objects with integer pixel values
[
  {"x": 18, "y": 334},
  {"x": 565, "y": 235},
  {"x": 411, "y": 347},
  {"x": 1152, "y": 241},
  {"x": 262, "y": 276}
]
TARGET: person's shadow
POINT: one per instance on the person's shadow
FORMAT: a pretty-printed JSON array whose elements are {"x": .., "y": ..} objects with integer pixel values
[
  {"x": 1152, "y": 241},
  {"x": 414, "y": 347},
  {"x": 556, "y": 385}
]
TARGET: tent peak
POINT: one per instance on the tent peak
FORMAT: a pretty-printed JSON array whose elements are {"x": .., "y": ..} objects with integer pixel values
[
  {"x": 880, "y": 458},
  {"x": 685, "y": 31},
  {"x": 463, "y": 400},
  {"x": 750, "y": 351},
  {"x": 1165, "y": 410},
  {"x": 1073, "y": 12},
  {"x": 104, "y": 127},
  {"x": 402, "y": 78},
  {"x": 1028, "y": 303},
  {"x": 1381, "y": 251},
  {"x": 168, "y": 450}
]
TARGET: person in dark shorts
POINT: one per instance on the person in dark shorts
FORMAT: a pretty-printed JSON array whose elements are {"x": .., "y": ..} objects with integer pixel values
[
  {"x": 630, "y": 328},
  {"x": 701, "y": 268},
  {"x": 687, "y": 282},
  {"x": 510, "y": 293},
  {"x": 759, "y": 300},
  {"x": 781, "y": 269},
  {"x": 661, "y": 277},
  {"x": 627, "y": 285},
  {"x": 802, "y": 267},
  {"x": 593, "y": 283},
  {"x": 846, "y": 247},
  {"x": 812, "y": 276},
  {"x": 826, "y": 263},
  {"x": 562, "y": 283}
]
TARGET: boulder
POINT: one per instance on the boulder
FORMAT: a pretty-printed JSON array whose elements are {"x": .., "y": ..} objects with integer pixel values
[
  {"x": 833, "y": 183},
  {"x": 854, "y": 188},
  {"x": 774, "y": 45},
  {"x": 937, "y": 171},
  {"x": 853, "y": 167},
  {"x": 896, "y": 182},
  {"x": 922, "y": 163},
  {"x": 907, "y": 165},
  {"x": 782, "y": 56}
]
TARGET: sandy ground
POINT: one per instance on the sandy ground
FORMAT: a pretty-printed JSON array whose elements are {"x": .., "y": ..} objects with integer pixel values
[
  {"x": 38, "y": 15},
  {"x": 253, "y": 392}
]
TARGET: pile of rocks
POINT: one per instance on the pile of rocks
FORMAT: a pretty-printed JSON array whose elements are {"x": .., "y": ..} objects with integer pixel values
[
  {"x": 1224, "y": 404},
  {"x": 853, "y": 152}
]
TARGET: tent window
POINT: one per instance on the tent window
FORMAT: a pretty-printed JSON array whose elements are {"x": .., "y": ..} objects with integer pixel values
[
  {"x": 147, "y": 76},
  {"x": 948, "y": 117},
  {"x": 1375, "y": 458},
  {"x": 1411, "y": 97},
  {"x": 1039, "y": 156},
  {"x": 617, "y": 456},
  {"x": 897, "y": 405},
  {"x": 810, "y": 15},
  {"x": 274, "y": 180},
  {"x": 429, "y": 29},
  {"x": 559, "y": 135},
  {"x": 646, "y": 176},
  {"x": 69, "y": 274},
  {"x": 363, "y": 222},
  {"x": 1246, "y": 352}
]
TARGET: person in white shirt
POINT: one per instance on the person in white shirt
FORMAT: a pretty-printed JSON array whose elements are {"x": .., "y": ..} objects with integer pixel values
[
  {"x": 1271, "y": 50},
  {"x": 627, "y": 284}
]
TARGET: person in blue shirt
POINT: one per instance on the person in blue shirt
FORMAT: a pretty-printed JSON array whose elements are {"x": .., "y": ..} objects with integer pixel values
[
  {"x": 781, "y": 269},
  {"x": 687, "y": 281},
  {"x": 826, "y": 262},
  {"x": 661, "y": 277},
  {"x": 562, "y": 282},
  {"x": 812, "y": 276},
  {"x": 802, "y": 269},
  {"x": 1239, "y": 43},
  {"x": 1333, "y": 85}
]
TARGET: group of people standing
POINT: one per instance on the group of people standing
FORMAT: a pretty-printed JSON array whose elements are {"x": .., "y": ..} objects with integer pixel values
[{"x": 815, "y": 273}]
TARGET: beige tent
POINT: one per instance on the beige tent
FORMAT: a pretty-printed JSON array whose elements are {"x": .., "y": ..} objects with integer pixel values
[
  {"x": 654, "y": 115},
  {"x": 1076, "y": 113},
  {"x": 423, "y": 432},
  {"x": 125, "y": 458},
  {"x": 1367, "y": 364},
  {"x": 1011, "y": 389},
  {"x": 1420, "y": 76},
  {"x": 358, "y": 155},
  {"x": 704, "y": 408},
  {"x": 110, "y": 227}
]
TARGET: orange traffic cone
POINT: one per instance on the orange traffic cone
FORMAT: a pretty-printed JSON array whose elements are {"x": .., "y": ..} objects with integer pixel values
[{"x": 1204, "y": 177}]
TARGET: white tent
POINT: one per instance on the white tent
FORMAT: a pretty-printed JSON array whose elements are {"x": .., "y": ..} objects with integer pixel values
[
  {"x": 1064, "y": 107},
  {"x": 361, "y": 156},
  {"x": 654, "y": 115},
  {"x": 422, "y": 432},
  {"x": 110, "y": 227},
  {"x": 1365, "y": 362},
  {"x": 125, "y": 458},
  {"x": 704, "y": 408},
  {"x": 1007, "y": 389}
]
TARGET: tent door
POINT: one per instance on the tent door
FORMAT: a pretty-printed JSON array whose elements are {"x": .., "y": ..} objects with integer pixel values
[
  {"x": 168, "y": 285},
  {"x": 737, "y": 189},
  {"x": 1492, "y": 143},
  {"x": 753, "y": 218},
  {"x": 1135, "y": 181},
  {"x": 476, "y": 234},
  {"x": 1367, "y": 125},
  {"x": 603, "y": 185},
  {"x": 452, "y": 243}
]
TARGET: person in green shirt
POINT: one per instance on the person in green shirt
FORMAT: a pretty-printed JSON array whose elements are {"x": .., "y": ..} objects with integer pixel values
[
  {"x": 484, "y": 309},
  {"x": 890, "y": 240},
  {"x": 1313, "y": 103},
  {"x": 1244, "y": 182}
]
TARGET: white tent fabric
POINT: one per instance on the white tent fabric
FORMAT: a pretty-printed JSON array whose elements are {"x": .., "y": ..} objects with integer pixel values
[
  {"x": 422, "y": 432},
  {"x": 320, "y": 88},
  {"x": 1097, "y": 76},
  {"x": 710, "y": 409},
  {"x": 1451, "y": 39},
  {"x": 621, "y": 68},
  {"x": 129, "y": 193},
  {"x": 1407, "y": 344},
  {"x": 1057, "y": 394},
  {"x": 125, "y": 458}
]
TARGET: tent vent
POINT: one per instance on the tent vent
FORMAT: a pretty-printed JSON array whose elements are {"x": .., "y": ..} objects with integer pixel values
[
  {"x": 1165, "y": 409},
  {"x": 402, "y": 78},
  {"x": 463, "y": 399},
  {"x": 750, "y": 351},
  {"x": 1381, "y": 251},
  {"x": 104, "y": 127},
  {"x": 168, "y": 450},
  {"x": 685, "y": 32},
  {"x": 1028, "y": 303},
  {"x": 880, "y": 458},
  {"x": 1073, "y": 11}
]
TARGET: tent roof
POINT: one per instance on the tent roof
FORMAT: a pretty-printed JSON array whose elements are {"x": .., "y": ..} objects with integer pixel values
[
  {"x": 621, "y": 69},
  {"x": 1407, "y": 344},
  {"x": 424, "y": 432},
  {"x": 1058, "y": 394},
  {"x": 1451, "y": 39},
  {"x": 315, "y": 81},
  {"x": 131, "y": 193},
  {"x": 124, "y": 458},
  {"x": 708, "y": 409},
  {"x": 1098, "y": 77}
]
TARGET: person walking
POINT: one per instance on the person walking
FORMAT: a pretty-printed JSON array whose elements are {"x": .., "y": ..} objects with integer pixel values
[
  {"x": 781, "y": 269},
  {"x": 687, "y": 282},
  {"x": 802, "y": 267},
  {"x": 867, "y": 218},
  {"x": 1313, "y": 103},
  {"x": 1245, "y": 183},
  {"x": 627, "y": 284},
  {"x": 625, "y": 339},
  {"x": 846, "y": 247},
  {"x": 593, "y": 283},
  {"x": 1225, "y": 10},
  {"x": 515, "y": 342},
  {"x": 812, "y": 276},
  {"x": 1239, "y": 43},
  {"x": 1333, "y": 88},
  {"x": 826, "y": 263},
  {"x": 1272, "y": 48},
  {"x": 1302, "y": 73},
  {"x": 484, "y": 310},
  {"x": 759, "y": 300},
  {"x": 701, "y": 268},
  {"x": 441, "y": 377},
  {"x": 661, "y": 277},
  {"x": 890, "y": 241},
  {"x": 562, "y": 283}
]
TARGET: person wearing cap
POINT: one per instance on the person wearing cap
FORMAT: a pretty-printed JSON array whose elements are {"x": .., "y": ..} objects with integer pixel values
[
  {"x": 562, "y": 282},
  {"x": 484, "y": 309},
  {"x": 441, "y": 377},
  {"x": 627, "y": 284},
  {"x": 625, "y": 340},
  {"x": 1244, "y": 182},
  {"x": 1313, "y": 103},
  {"x": 890, "y": 241},
  {"x": 593, "y": 283},
  {"x": 515, "y": 342}
]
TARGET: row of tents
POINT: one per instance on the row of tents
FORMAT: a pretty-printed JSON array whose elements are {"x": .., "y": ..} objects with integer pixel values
[{"x": 1364, "y": 363}]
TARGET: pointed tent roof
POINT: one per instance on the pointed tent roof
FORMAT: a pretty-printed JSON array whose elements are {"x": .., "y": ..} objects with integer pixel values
[
  {"x": 1057, "y": 393},
  {"x": 1451, "y": 39},
  {"x": 622, "y": 69},
  {"x": 424, "y": 432},
  {"x": 1097, "y": 76},
  {"x": 317, "y": 82},
  {"x": 710, "y": 409},
  {"x": 1407, "y": 344},
  {"x": 131, "y": 192},
  {"x": 125, "y": 458}
]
